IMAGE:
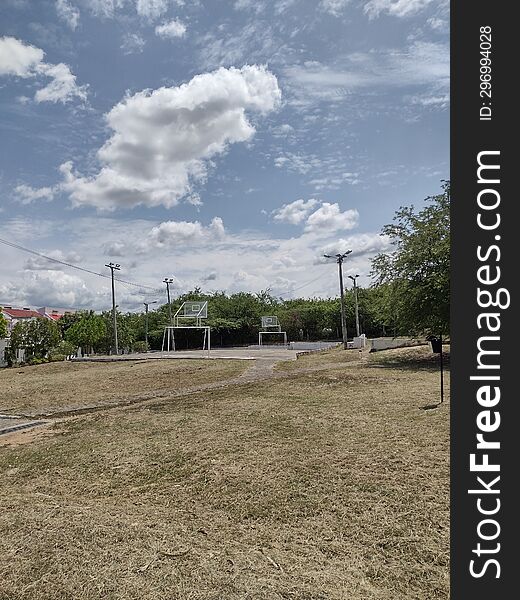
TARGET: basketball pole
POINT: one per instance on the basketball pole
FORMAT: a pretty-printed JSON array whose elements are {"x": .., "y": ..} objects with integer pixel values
[{"x": 167, "y": 281}]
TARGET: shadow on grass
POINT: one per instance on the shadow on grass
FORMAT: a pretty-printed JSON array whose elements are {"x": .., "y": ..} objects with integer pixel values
[
  {"x": 431, "y": 406},
  {"x": 429, "y": 362}
]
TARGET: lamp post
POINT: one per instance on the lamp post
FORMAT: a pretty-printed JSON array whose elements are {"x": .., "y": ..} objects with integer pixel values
[
  {"x": 146, "y": 304},
  {"x": 167, "y": 281},
  {"x": 339, "y": 259},
  {"x": 354, "y": 277},
  {"x": 114, "y": 267}
]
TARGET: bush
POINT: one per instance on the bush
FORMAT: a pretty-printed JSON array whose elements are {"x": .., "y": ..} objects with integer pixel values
[
  {"x": 140, "y": 346},
  {"x": 64, "y": 348},
  {"x": 56, "y": 357},
  {"x": 36, "y": 361}
]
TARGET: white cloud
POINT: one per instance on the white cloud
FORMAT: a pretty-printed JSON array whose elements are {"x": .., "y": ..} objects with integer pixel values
[
  {"x": 437, "y": 24},
  {"x": 295, "y": 212},
  {"x": 49, "y": 288},
  {"x": 329, "y": 218},
  {"x": 184, "y": 233},
  {"x": 133, "y": 43},
  {"x": 151, "y": 9},
  {"x": 361, "y": 244},
  {"x": 282, "y": 131},
  {"x": 36, "y": 263},
  {"x": 62, "y": 88},
  {"x": 334, "y": 7},
  {"x": 19, "y": 59},
  {"x": 163, "y": 139},
  {"x": 67, "y": 13},
  {"x": 23, "y": 60},
  {"x": 28, "y": 194},
  {"x": 396, "y": 8},
  {"x": 147, "y": 9},
  {"x": 197, "y": 254},
  {"x": 422, "y": 64},
  {"x": 171, "y": 29}
]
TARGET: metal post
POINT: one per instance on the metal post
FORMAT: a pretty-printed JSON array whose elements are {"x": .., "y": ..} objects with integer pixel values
[
  {"x": 146, "y": 304},
  {"x": 442, "y": 374},
  {"x": 167, "y": 281},
  {"x": 342, "y": 300},
  {"x": 113, "y": 267},
  {"x": 339, "y": 259},
  {"x": 358, "y": 329}
]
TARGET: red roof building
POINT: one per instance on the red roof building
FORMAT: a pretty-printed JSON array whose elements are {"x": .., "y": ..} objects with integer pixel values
[{"x": 13, "y": 315}]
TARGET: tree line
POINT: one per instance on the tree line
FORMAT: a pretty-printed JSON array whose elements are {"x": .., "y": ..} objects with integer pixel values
[{"x": 410, "y": 295}]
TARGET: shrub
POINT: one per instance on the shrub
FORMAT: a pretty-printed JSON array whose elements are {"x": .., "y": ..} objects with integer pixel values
[
  {"x": 56, "y": 357},
  {"x": 140, "y": 346},
  {"x": 63, "y": 348},
  {"x": 34, "y": 360}
]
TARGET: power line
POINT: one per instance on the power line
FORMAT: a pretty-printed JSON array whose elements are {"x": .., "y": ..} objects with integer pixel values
[
  {"x": 77, "y": 267},
  {"x": 302, "y": 286}
]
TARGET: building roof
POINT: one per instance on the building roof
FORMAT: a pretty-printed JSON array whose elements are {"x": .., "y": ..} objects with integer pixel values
[{"x": 21, "y": 313}]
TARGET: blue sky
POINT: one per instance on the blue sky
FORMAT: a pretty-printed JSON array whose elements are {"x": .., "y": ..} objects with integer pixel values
[{"x": 227, "y": 144}]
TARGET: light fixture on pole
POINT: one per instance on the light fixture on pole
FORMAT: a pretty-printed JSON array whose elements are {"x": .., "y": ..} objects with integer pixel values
[
  {"x": 339, "y": 259},
  {"x": 354, "y": 277},
  {"x": 114, "y": 267},
  {"x": 146, "y": 304},
  {"x": 167, "y": 281}
]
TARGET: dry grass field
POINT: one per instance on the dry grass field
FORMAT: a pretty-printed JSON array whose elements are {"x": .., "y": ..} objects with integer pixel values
[
  {"x": 59, "y": 386},
  {"x": 329, "y": 481}
]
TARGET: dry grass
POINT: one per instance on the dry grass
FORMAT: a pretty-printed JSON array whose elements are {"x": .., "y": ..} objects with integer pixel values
[
  {"x": 66, "y": 385},
  {"x": 323, "y": 485},
  {"x": 323, "y": 357}
]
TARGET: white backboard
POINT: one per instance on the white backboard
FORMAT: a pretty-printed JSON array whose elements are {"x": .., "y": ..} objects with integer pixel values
[
  {"x": 270, "y": 322},
  {"x": 194, "y": 310}
]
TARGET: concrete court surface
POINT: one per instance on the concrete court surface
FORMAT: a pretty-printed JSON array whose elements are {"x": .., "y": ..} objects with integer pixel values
[{"x": 267, "y": 353}]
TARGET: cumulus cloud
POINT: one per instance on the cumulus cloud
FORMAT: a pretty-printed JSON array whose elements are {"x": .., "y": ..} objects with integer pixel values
[
  {"x": 37, "y": 263},
  {"x": 184, "y": 233},
  {"x": 171, "y": 29},
  {"x": 23, "y": 60},
  {"x": 67, "y": 13},
  {"x": 163, "y": 139},
  {"x": 19, "y": 59},
  {"x": 361, "y": 244},
  {"x": 294, "y": 212},
  {"x": 329, "y": 218},
  {"x": 50, "y": 288}
]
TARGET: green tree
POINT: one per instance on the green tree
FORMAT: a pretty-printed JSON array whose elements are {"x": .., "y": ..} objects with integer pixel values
[
  {"x": 3, "y": 327},
  {"x": 36, "y": 336},
  {"x": 415, "y": 276},
  {"x": 87, "y": 332}
]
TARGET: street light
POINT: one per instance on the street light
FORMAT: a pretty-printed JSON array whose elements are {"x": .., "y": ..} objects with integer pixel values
[
  {"x": 114, "y": 267},
  {"x": 146, "y": 304},
  {"x": 167, "y": 281},
  {"x": 339, "y": 259},
  {"x": 354, "y": 277}
]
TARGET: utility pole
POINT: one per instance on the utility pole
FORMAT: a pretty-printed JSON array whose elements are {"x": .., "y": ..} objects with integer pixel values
[
  {"x": 167, "y": 281},
  {"x": 146, "y": 304},
  {"x": 354, "y": 277},
  {"x": 114, "y": 267},
  {"x": 339, "y": 259}
]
